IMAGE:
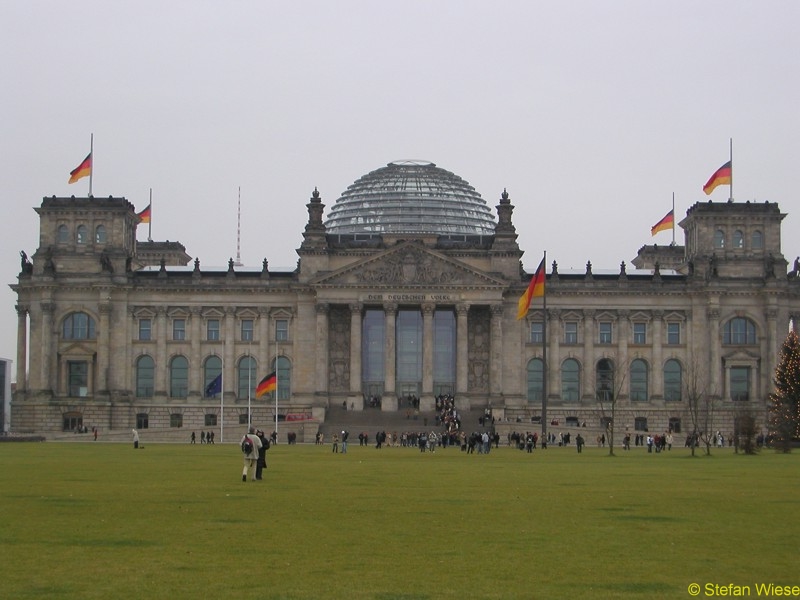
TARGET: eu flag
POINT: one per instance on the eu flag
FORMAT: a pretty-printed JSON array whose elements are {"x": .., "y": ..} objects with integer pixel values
[{"x": 215, "y": 387}]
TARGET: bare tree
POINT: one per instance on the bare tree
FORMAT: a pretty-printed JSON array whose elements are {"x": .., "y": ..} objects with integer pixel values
[
  {"x": 609, "y": 381},
  {"x": 701, "y": 402}
]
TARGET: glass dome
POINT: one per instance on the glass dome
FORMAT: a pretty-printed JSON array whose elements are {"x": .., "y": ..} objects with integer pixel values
[{"x": 414, "y": 197}]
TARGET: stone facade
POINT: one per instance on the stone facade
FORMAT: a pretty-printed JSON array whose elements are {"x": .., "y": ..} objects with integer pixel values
[{"x": 117, "y": 338}]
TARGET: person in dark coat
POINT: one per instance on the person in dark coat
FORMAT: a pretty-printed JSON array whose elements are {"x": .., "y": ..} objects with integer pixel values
[{"x": 261, "y": 464}]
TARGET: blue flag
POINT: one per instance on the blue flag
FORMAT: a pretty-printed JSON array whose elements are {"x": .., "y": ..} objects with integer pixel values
[{"x": 215, "y": 387}]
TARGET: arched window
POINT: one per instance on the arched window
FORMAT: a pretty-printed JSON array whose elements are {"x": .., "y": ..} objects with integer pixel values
[
  {"x": 248, "y": 380},
  {"x": 758, "y": 240},
  {"x": 719, "y": 239},
  {"x": 211, "y": 370},
  {"x": 62, "y": 235},
  {"x": 639, "y": 381},
  {"x": 739, "y": 330},
  {"x": 79, "y": 326},
  {"x": 570, "y": 380},
  {"x": 535, "y": 380},
  {"x": 604, "y": 380},
  {"x": 145, "y": 376},
  {"x": 738, "y": 239},
  {"x": 284, "y": 374},
  {"x": 100, "y": 236},
  {"x": 673, "y": 381},
  {"x": 178, "y": 377},
  {"x": 82, "y": 234}
]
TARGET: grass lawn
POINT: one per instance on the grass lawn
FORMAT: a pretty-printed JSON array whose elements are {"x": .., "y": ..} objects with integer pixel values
[{"x": 96, "y": 520}]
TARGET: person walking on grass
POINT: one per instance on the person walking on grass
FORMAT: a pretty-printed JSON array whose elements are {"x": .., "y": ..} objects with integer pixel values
[{"x": 250, "y": 446}]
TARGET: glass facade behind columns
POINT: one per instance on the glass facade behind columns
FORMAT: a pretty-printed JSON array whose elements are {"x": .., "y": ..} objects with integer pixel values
[
  {"x": 444, "y": 352},
  {"x": 409, "y": 341},
  {"x": 373, "y": 342}
]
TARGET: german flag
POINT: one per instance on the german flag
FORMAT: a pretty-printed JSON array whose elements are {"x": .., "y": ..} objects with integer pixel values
[
  {"x": 721, "y": 176},
  {"x": 267, "y": 385},
  {"x": 82, "y": 170},
  {"x": 144, "y": 216},
  {"x": 664, "y": 224},
  {"x": 535, "y": 290}
]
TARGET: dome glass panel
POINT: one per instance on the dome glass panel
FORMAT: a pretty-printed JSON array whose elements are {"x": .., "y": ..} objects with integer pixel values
[{"x": 412, "y": 197}]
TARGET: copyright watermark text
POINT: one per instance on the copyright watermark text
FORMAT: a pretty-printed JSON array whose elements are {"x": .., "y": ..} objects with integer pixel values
[{"x": 763, "y": 590}]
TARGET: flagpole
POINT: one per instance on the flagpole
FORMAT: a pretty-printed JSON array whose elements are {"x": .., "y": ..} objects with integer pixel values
[
  {"x": 150, "y": 221},
  {"x": 731, "y": 184},
  {"x": 544, "y": 350},
  {"x": 673, "y": 218},
  {"x": 276, "y": 386},
  {"x": 222, "y": 401},
  {"x": 249, "y": 385},
  {"x": 91, "y": 169}
]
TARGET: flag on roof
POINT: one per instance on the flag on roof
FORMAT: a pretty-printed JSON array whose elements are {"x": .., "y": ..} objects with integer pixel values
[
  {"x": 668, "y": 222},
  {"x": 144, "y": 216},
  {"x": 721, "y": 176},
  {"x": 82, "y": 170}
]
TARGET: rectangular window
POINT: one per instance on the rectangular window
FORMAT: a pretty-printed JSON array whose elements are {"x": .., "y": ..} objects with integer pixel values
[
  {"x": 673, "y": 334},
  {"x": 537, "y": 332},
  {"x": 179, "y": 329},
  {"x": 176, "y": 420},
  {"x": 640, "y": 423},
  {"x": 247, "y": 330},
  {"x": 212, "y": 330},
  {"x": 605, "y": 333},
  {"x": 145, "y": 329},
  {"x": 640, "y": 333},
  {"x": 78, "y": 378},
  {"x": 740, "y": 383},
  {"x": 142, "y": 421},
  {"x": 571, "y": 333},
  {"x": 211, "y": 420},
  {"x": 281, "y": 330}
]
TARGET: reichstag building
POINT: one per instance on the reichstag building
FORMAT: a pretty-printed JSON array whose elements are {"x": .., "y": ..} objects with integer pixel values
[{"x": 407, "y": 288}]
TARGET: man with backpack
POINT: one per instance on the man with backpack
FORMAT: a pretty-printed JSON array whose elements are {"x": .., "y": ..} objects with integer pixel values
[{"x": 250, "y": 446}]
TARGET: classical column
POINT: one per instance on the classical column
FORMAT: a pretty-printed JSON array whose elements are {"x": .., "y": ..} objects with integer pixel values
[
  {"x": 321, "y": 356},
  {"x": 622, "y": 367},
  {"x": 196, "y": 381},
  {"x": 553, "y": 317},
  {"x": 22, "y": 346},
  {"x": 355, "y": 348},
  {"x": 589, "y": 359},
  {"x": 427, "y": 349},
  {"x": 712, "y": 327},
  {"x": 162, "y": 368},
  {"x": 496, "y": 351},
  {"x": 103, "y": 347},
  {"x": 46, "y": 381},
  {"x": 772, "y": 349},
  {"x": 390, "y": 314},
  {"x": 462, "y": 349},
  {"x": 262, "y": 354},
  {"x": 657, "y": 368},
  {"x": 229, "y": 346}
]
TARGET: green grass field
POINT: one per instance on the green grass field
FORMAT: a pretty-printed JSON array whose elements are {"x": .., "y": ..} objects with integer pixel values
[{"x": 95, "y": 520}]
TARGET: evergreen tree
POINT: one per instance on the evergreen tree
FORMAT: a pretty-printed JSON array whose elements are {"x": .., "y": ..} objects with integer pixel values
[{"x": 785, "y": 400}]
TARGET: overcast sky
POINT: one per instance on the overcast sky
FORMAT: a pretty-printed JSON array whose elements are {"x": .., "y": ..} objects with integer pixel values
[{"x": 591, "y": 114}]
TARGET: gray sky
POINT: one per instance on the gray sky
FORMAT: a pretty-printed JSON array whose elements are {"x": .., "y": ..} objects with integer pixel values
[{"x": 592, "y": 114}]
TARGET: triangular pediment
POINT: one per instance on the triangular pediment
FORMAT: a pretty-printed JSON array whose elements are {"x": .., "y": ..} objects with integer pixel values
[{"x": 409, "y": 264}]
